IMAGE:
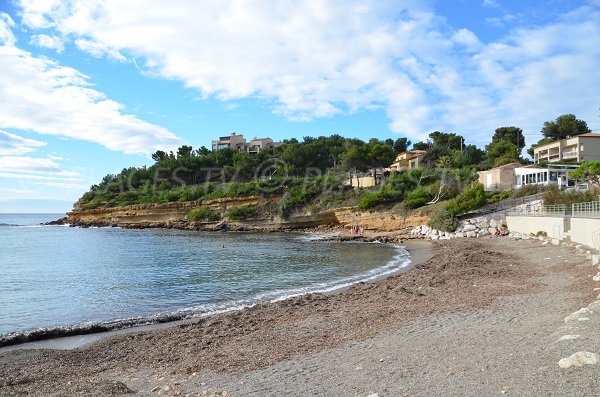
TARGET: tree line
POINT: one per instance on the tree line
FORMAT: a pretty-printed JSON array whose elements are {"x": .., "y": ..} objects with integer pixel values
[{"x": 314, "y": 156}]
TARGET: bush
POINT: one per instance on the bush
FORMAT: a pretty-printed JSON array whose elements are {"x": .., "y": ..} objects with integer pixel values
[
  {"x": 442, "y": 220},
  {"x": 554, "y": 196},
  {"x": 369, "y": 200},
  {"x": 469, "y": 200},
  {"x": 203, "y": 214},
  {"x": 419, "y": 197},
  {"x": 499, "y": 196},
  {"x": 242, "y": 213},
  {"x": 528, "y": 190},
  {"x": 387, "y": 194}
]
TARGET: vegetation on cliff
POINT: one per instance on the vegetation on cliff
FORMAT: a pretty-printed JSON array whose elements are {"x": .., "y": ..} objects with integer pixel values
[{"x": 318, "y": 173}]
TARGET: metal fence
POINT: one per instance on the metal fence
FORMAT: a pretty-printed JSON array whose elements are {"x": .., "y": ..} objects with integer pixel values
[
  {"x": 586, "y": 210},
  {"x": 556, "y": 210},
  {"x": 504, "y": 205}
]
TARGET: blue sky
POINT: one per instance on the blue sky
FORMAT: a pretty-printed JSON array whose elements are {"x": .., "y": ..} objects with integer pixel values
[{"x": 88, "y": 88}]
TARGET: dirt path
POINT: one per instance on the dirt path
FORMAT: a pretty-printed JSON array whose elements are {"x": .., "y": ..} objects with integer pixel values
[{"x": 480, "y": 317}]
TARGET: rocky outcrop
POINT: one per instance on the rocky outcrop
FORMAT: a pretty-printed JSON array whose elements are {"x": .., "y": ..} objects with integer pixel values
[
  {"x": 268, "y": 218},
  {"x": 474, "y": 227}
]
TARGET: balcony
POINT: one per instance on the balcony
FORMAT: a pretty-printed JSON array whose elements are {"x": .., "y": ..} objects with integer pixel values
[{"x": 569, "y": 154}]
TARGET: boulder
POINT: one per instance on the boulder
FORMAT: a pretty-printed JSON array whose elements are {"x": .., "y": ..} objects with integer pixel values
[{"x": 579, "y": 359}]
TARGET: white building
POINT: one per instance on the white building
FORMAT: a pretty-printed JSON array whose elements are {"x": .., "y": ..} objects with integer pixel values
[
  {"x": 238, "y": 142},
  {"x": 543, "y": 176}
]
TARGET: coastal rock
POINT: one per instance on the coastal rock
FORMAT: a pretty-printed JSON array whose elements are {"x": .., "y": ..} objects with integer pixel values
[
  {"x": 579, "y": 359},
  {"x": 468, "y": 228},
  {"x": 569, "y": 337}
]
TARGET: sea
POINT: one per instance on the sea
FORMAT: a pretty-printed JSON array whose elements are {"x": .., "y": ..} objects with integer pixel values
[{"x": 55, "y": 278}]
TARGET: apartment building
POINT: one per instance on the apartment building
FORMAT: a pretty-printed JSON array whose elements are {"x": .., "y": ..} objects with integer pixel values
[
  {"x": 575, "y": 149},
  {"x": 239, "y": 143}
]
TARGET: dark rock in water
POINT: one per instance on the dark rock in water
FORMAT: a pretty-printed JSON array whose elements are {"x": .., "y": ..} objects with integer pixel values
[{"x": 61, "y": 221}]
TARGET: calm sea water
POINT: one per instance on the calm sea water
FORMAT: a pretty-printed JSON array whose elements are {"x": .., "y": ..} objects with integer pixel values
[{"x": 57, "y": 275}]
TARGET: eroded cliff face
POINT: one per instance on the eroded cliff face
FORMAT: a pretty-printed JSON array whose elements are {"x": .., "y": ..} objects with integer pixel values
[{"x": 174, "y": 215}]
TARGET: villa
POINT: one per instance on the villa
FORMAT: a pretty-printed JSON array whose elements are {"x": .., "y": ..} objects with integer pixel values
[
  {"x": 575, "y": 149},
  {"x": 408, "y": 160},
  {"x": 238, "y": 143}
]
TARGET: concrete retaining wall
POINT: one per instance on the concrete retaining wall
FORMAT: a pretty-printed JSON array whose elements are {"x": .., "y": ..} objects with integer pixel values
[
  {"x": 586, "y": 231},
  {"x": 553, "y": 226}
]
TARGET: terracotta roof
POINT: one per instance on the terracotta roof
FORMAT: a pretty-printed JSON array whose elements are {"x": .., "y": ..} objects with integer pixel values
[{"x": 589, "y": 134}]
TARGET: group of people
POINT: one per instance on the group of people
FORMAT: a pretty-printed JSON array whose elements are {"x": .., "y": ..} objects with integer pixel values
[{"x": 357, "y": 230}]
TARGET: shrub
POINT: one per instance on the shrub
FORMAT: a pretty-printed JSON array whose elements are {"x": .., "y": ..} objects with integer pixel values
[
  {"x": 203, "y": 214},
  {"x": 369, "y": 200},
  {"x": 528, "y": 190},
  {"x": 499, "y": 196},
  {"x": 242, "y": 213},
  {"x": 469, "y": 200},
  {"x": 554, "y": 196},
  {"x": 442, "y": 220},
  {"x": 418, "y": 197}
]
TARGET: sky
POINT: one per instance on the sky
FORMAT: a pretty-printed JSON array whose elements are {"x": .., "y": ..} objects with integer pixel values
[{"x": 90, "y": 87}]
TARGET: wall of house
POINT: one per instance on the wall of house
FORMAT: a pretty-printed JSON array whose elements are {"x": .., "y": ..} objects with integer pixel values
[
  {"x": 586, "y": 231},
  {"x": 591, "y": 148},
  {"x": 553, "y": 226}
]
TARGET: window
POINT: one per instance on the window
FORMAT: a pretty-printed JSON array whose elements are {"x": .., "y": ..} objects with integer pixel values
[{"x": 581, "y": 148}]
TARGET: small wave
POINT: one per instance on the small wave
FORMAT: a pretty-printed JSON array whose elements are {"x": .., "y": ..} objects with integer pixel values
[
  {"x": 399, "y": 261},
  {"x": 8, "y": 224},
  {"x": 318, "y": 236}
]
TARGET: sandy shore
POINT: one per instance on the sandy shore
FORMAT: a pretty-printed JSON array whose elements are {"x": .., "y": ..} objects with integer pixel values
[{"x": 481, "y": 317}]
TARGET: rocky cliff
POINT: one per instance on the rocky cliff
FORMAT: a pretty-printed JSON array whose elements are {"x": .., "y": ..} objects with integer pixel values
[{"x": 174, "y": 215}]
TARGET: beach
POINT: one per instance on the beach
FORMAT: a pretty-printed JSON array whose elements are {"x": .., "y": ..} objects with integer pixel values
[{"x": 470, "y": 317}]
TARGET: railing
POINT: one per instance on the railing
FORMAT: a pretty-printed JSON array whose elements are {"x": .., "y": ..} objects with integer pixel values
[
  {"x": 503, "y": 205},
  {"x": 570, "y": 153},
  {"x": 586, "y": 210},
  {"x": 555, "y": 210}
]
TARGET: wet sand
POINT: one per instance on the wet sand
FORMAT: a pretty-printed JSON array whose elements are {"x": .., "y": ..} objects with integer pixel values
[{"x": 480, "y": 317}]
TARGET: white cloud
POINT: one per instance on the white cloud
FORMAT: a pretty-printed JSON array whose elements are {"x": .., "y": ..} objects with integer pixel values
[
  {"x": 6, "y": 35},
  {"x": 34, "y": 165},
  {"x": 98, "y": 50},
  {"x": 491, "y": 3},
  {"x": 11, "y": 144},
  {"x": 45, "y": 41},
  {"x": 317, "y": 59},
  {"x": 38, "y": 94}
]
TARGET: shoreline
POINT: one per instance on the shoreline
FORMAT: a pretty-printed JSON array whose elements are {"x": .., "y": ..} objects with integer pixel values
[
  {"x": 479, "y": 317},
  {"x": 71, "y": 336}
]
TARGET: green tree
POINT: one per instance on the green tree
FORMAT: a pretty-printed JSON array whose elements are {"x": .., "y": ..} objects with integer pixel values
[
  {"x": 510, "y": 134},
  {"x": 401, "y": 145},
  {"x": 356, "y": 156},
  {"x": 588, "y": 171},
  {"x": 184, "y": 151},
  {"x": 420, "y": 146},
  {"x": 159, "y": 155},
  {"x": 502, "y": 152},
  {"x": 564, "y": 126}
]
